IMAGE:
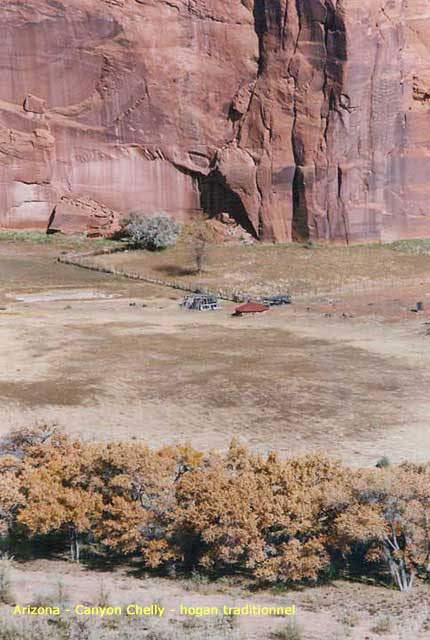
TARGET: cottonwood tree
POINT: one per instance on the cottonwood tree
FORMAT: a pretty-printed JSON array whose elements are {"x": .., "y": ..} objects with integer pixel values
[
  {"x": 201, "y": 247},
  {"x": 200, "y": 239},
  {"x": 138, "y": 490},
  {"x": 10, "y": 495},
  {"x": 388, "y": 512},
  {"x": 21, "y": 450},
  {"x": 28, "y": 442},
  {"x": 56, "y": 494},
  {"x": 278, "y": 520},
  {"x": 250, "y": 513}
]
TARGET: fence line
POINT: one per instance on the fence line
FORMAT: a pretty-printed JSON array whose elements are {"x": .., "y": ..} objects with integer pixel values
[{"x": 79, "y": 260}]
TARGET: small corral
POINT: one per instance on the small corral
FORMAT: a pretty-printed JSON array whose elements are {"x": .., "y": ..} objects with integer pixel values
[{"x": 200, "y": 302}]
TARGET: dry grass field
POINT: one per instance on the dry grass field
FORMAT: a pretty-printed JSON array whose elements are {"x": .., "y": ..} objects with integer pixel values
[
  {"x": 265, "y": 269},
  {"x": 346, "y": 372}
]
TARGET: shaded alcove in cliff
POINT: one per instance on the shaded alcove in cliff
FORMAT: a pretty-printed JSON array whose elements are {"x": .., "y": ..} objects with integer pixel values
[
  {"x": 217, "y": 198},
  {"x": 300, "y": 227}
]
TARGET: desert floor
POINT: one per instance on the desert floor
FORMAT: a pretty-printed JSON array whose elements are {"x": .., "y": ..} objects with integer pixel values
[
  {"x": 338, "y": 611},
  {"x": 109, "y": 358},
  {"x": 346, "y": 373}
]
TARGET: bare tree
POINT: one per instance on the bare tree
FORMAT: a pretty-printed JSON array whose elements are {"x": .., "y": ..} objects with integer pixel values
[{"x": 200, "y": 248}]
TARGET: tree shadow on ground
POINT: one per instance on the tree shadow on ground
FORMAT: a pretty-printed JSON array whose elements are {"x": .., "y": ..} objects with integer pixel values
[
  {"x": 175, "y": 270},
  {"x": 104, "y": 562}
]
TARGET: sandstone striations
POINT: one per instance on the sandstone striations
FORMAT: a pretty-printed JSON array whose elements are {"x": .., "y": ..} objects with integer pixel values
[{"x": 298, "y": 118}]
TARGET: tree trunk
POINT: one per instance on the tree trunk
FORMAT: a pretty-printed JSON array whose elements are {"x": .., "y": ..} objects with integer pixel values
[
  {"x": 74, "y": 546},
  {"x": 399, "y": 572}
]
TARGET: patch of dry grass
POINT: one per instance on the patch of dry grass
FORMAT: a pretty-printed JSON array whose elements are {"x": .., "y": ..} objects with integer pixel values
[
  {"x": 67, "y": 628},
  {"x": 266, "y": 269},
  {"x": 6, "y": 591},
  {"x": 291, "y": 631},
  {"x": 76, "y": 241}
]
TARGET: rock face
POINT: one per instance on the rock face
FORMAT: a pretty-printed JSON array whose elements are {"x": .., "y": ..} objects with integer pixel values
[
  {"x": 82, "y": 216},
  {"x": 298, "y": 118}
]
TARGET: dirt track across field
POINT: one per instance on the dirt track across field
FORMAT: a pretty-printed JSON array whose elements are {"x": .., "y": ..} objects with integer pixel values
[{"x": 349, "y": 377}]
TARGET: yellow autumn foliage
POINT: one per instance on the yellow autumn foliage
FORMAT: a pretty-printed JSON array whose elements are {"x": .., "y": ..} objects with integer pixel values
[{"x": 289, "y": 520}]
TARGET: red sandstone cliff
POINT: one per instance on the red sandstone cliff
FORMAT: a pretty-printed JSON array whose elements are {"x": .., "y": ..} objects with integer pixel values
[{"x": 306, "y": 118}]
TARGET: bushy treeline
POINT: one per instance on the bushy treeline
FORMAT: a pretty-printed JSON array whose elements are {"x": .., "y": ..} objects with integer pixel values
[{"x": 294, "y": 520}]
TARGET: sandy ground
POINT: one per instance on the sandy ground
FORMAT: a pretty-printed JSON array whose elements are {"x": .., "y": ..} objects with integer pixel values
[
  {"x": 81, "y": 349},
  {"x": 108, "y": 358},
  {"x": 340, "y": 611}
]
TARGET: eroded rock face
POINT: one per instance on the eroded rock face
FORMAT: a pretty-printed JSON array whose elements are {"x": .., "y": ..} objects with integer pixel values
[
  {"x": 299, "y": 118},
  {"x": 83, "y": 216}
]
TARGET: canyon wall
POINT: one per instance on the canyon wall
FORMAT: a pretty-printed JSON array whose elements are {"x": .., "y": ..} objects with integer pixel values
[{"x": 300, "y": 118}]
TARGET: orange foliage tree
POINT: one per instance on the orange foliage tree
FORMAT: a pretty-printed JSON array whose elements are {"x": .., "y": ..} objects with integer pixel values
[
  {"x": 55, "y": 483},
  {"x": 261, "y": 515},
  {"x": 137, "y": 486},
  {"x": 277, "y": 520},
  {"x": 388, "y": 513}
]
